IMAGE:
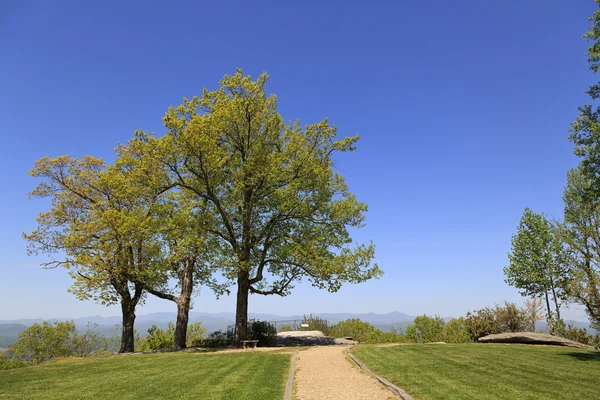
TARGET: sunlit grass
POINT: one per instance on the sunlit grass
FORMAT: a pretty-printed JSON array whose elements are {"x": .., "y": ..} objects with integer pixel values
[
  {"x": 244, "y": 375},
  {"x": 486, "y": 371}
]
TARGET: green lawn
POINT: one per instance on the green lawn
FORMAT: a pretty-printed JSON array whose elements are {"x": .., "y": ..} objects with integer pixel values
[
  {"x": 247, "y": 375},
  {"x": 486, "y": 371}
]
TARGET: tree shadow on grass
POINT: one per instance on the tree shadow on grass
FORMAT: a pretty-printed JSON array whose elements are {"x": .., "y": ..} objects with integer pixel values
[{"x": 588, "y": 356}]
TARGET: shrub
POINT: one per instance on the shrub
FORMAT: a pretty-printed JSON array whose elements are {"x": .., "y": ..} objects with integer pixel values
[
  {"x": 581, "y": 335},
  {"x": 196, "y": 334},
  {"x": 426, "y": 329},
  {"x": 262, "y": 331},
  {"x": 91, "y": 343},
  {"x": 7, "y": 362},
  {"x": 285, "y": 328},
  {"x": 379, "y": 336},
  {"x": 42, "y": 342},
  {"x": 217, "y": 339},
  {"x": 160, "y": 339},
  {"x": 481, "y": 323},
  {"x": 511, "y": 318},
  {"x": 354, "y": 328},
  {"x": 455, "y": 331},
  {"x": 315, "y": 324}
]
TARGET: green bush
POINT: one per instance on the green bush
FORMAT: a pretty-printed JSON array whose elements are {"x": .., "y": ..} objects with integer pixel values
[
  {"x": 42, "y": 342},
  {"x": 7, "y": 362},
  {"x": 217, "y": 339},
  {"x": 91, "y": 343},
  {"x": 196, "y": 334},
  {"x": 425, "y": 329},
  {"x": 285, "y": 328},
  {"x": 379, "y": 336},
  {"x": 262, "y": 331},
  {"x": 511, "y": 318},
  {"x": 481, "y": 323},
  {"x": 315, "y": 324},
  {"x": 488, "y": 321},
  {"x": 160, "y": 339},
  {"x": 581, "y": 335},
  {"x": 455, "y": 331},
  {"x": 354, "y": 328}
]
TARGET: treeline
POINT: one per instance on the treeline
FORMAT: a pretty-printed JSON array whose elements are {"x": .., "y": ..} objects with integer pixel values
[
  {"x": 427, "y": 329},
  {"x": 230, "y": 196},
  {"x": 558, "y": 259},
  {"x": 45, "y": 341}
]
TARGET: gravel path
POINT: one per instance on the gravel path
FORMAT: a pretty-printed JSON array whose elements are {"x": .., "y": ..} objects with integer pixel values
[{"x": 324, "y": 373}]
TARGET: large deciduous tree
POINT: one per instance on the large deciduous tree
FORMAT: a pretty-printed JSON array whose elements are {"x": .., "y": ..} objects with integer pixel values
[
  {"x": 102, "y": 228},
  {"x": 580, "y": 233},
  {"x": 536, "y": 262},
  {"x": 281, "y": 211},
  {"x": 585, "y": 130}
]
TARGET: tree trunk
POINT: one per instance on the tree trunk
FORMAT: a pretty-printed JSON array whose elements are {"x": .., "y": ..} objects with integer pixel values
[
  {"x": 549, "y": 311},
  {"x": 241, "y": 312},
  {"x": 183, "y": 306},
  {"x": 127, "y": 340},
  {"x": 556, "y": 303}
]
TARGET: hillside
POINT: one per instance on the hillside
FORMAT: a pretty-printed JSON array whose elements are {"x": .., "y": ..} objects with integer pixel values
[{"x": 9, "y": 333}]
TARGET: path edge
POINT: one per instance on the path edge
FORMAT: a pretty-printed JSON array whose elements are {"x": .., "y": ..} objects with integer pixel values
[
  {"x": 289, "y": 387},
  {"x": 390, "y": 386}
]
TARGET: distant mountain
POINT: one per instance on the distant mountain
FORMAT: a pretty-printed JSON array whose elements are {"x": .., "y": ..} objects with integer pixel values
[
  {"x": 9, "y": 333},
  {"x": 9, "y": 330}
]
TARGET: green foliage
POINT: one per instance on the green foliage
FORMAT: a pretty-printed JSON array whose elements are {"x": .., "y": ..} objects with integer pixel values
[
  {"x": 262, "y": 331},
  {"x": 580, "y": 233},
  {"x": 285, "y": 328},
  {"x": 481, "y": 323},
  {"x": 315, "y": 324},
  {"x": 196, "y": 334},
  {"x": 42, "y": 342},
  {"x": 507, "y": 318},
  {"x": 426, "y": 329},
  {"x": 581, "y": 335},
  {"x": 217, "y": 339},
  {"x": 354, "y": 328},
  {"x": 161, "y": 339},
  {"x": 455, "y": 331},
  {"x": 537, "y": 262},
  {"x": 511, "y": 318},
  {"x": 582, "y": 194},
  {"x": 379, "y": 336},
  {"x": 7, "y": 362}
]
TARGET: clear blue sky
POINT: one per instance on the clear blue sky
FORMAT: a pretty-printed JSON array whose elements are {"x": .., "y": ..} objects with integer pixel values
[{"x": 463, "y": 109}]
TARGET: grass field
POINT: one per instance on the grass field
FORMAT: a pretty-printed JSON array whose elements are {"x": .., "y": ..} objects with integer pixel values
[
  {"x": 486, "y": 371},
  {"x": 247, "y": 375}
]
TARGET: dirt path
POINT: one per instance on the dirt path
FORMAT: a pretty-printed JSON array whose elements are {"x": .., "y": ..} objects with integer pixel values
[{"x": 324, "y": 373}]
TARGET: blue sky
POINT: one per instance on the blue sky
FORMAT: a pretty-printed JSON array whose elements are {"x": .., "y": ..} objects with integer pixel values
[{"x": 463, "y": 110}]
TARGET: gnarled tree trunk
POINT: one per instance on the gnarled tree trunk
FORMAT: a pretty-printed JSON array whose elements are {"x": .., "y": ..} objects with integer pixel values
[
  {"x": 127, "y": 331},
  {"x": 241, "y": 312},
  {"x": 128, "y": 305},
  {"x": 183, "y": 307}
]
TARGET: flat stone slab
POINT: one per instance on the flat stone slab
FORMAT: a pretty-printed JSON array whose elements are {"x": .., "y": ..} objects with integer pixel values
[
  {"x": 309, "y": 338},
  {"x": 532, "y": 338}
]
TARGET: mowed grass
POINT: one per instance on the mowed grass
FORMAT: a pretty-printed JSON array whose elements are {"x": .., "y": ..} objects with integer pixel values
[
  {"x": 243, "y": 375},
  {"x": 486, "y": 371}
]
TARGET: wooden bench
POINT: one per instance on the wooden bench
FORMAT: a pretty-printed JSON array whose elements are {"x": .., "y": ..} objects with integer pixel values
[{"x": 249, "y": 343}]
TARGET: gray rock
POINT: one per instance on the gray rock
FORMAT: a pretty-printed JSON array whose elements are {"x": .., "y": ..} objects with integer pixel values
[
  {"x": 309, "y": 338},
  {"x": 532, "y": 338}
]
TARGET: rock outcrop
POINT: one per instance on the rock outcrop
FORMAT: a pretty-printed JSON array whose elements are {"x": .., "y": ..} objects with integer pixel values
[
  {"x": 308, "y": 338},
  {"x": 532, "y": 338}
]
